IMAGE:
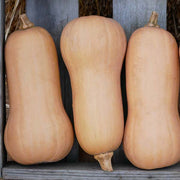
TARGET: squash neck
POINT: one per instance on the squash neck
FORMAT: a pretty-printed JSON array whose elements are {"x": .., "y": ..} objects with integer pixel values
[
  {"x": 25, "y": 23},
  {"x": 153, "y": 20}
]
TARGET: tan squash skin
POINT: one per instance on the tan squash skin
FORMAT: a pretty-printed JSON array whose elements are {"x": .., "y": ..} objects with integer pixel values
[
  {"x": 38, "y": 129},
  {"x": 93, "y": 49},
  {"x": 179, "y": 90},
  {"x": 152, "y": 132}
]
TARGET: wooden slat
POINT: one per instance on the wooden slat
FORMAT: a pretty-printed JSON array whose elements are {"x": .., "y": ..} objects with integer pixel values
[
  {"x": 2, "y": 107},
  {"x": 53, "y": 16},
  {"x": 133, "y": 14},
  {"x": 88, "y": 171}
]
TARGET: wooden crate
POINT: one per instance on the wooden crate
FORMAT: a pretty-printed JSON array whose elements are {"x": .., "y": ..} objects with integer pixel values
[{"x": 53, "y": 15}]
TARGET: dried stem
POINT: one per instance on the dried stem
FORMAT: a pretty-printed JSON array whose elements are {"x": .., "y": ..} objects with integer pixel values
[
  {"x": 25, "y": 22},
  {"x": 104, "y": 160},
  {"x": 153, "y": 20}
]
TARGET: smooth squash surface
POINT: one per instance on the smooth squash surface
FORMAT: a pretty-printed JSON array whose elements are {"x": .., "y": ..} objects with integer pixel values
[
  {"x": 38, "y": 129},
  {"x": 152, "y": 132},
  {"x": 93, "y": 49}
]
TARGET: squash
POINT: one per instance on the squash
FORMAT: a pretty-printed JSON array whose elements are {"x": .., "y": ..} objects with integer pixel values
[
  {"x": 179, "y": 91},
  {"x": 152, "y": 131},
  {"x": 93, "y": 49},
  {"x": 38, "y": 129}
]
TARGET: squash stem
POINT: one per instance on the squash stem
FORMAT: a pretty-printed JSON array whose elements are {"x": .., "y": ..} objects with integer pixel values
[
  {"x": 25, "y": 23},
  {"x": 153, "y": 20},
  {"x": 104, "y": 160}
]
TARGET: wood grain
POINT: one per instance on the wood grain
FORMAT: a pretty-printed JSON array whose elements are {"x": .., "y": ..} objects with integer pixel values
[
  {"x": 88, "y": 171},
  {"x": 133, "y": 14}
]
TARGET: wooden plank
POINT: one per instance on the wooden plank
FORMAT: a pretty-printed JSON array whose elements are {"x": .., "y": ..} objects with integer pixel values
[
  {"x": 88, "y": 171},
  {"x": 2, "y": 84},
  {"x": 133, "y": 14},
  {"x": 53, "y": 16}
]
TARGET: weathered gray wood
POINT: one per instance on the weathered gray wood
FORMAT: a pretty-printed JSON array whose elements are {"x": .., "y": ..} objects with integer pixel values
[
  {"x": 53, "y": 16},
  {"x": 88, "y": 171},
  {"x": 133, "y": 14},
  {"x": 2, "y": 107}
]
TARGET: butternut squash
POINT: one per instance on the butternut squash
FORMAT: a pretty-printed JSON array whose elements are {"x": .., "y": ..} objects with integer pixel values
[
  {"x": 179, "y": 91},
  {"x": 152, "y": 131},
  {"x": 38, "y": 129},
  {"x": 93, "y": 49}
]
